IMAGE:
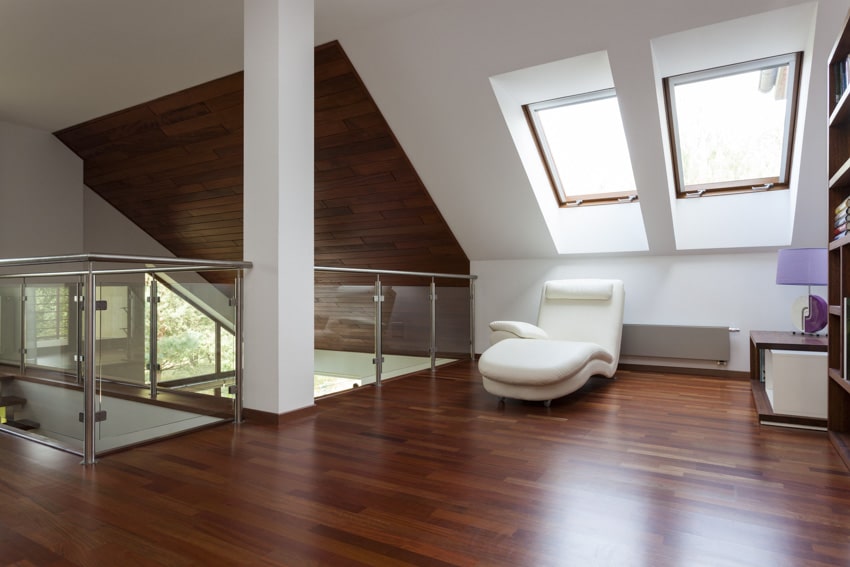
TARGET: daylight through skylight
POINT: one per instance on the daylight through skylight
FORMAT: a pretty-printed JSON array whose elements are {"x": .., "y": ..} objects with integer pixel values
[
  {"x": 732, "y": 125},
  {"x": 583, "y": 142}
]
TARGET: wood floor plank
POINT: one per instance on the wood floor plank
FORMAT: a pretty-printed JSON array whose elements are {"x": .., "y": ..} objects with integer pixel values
[{"x": 644, "y": 470}]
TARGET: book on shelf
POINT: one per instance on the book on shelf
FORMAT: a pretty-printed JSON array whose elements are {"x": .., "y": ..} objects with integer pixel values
[
  {"x": 840, "y": 229},
  {"x": 842, "y": 207},
  {"x": 842, "y": 71},
  {"x": 840, "y": 235},
  {"x": 841, "y": 218}
]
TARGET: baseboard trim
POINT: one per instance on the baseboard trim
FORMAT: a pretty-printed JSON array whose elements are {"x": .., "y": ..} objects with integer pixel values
[
  {"x": 649, "y": 368},
  {"x": 260, "y": 417}
]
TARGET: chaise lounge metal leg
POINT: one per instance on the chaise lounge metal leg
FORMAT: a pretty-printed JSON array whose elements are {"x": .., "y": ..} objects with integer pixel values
[
  {"x": 502, "y": 399},
  {"x": 547, "y": 403}
]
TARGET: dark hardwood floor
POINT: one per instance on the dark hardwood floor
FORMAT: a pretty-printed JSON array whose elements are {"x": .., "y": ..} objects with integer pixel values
[{"x": 646, "y": 470}]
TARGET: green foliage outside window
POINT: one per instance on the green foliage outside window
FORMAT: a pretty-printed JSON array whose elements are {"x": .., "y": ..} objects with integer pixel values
[
  {"x": 51, "y": 312},
  {"x": 186, "y": 339}
]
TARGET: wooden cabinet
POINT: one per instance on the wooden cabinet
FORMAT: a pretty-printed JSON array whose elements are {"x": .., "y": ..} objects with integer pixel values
[
  {"x": 838, "y": 412},
  {"x": 761, "y": 343}
]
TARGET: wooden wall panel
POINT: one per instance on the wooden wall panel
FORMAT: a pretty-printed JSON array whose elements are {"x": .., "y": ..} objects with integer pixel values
[
  {"x": 372, "y": 209},
  {"x": 174, "y": 167}
]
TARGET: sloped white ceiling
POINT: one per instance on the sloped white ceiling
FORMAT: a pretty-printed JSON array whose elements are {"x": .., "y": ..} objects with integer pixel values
[
  {"x": 429, "y": 71},
  {"x": 65, "y": 62}
]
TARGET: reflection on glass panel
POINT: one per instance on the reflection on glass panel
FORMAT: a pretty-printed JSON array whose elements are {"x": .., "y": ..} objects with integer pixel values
[
  {"x": 129, "y": 422},
  {"x": 51, "y": 323},
  {"x": 453, "y": 332},
  {"x": 43, "y": 320},
  {"x": 120, "y": 331},
  {"x": 344, "y": 336},
  {"x": 10, "y": 323},
  {"x": 407, "y": 328},
  {"x": 185, "y": 338},
  {"x": 228, "y": 351},
  {"x": 195, "y": 336},
  {"x": 49, "y": 411}
]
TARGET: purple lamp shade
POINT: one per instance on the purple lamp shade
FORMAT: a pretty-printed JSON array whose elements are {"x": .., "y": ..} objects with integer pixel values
[
  {"x": 805, "y": 266},
  {"x": 801, "y": 266}
]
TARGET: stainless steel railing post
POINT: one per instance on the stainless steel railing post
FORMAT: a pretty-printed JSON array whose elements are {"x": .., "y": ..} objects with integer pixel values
[
  {"x": 472, "y": 319},
  {"x": 432, "y": 348},
  {"x": 80, "y": 328},
  {"x": 238, "y": 330},
  {"x": 23, "y": 328},
  {"x": 153, "y": 358},
  {"x": 379, "y": 354},
  {"x": 89, "y": 383}
]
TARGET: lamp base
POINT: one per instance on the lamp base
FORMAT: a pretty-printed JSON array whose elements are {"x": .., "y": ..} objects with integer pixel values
[{"x": 809, "y": 313}]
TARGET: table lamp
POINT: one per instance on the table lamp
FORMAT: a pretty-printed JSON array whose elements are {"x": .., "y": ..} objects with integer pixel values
[{"x": 808, "y": 267}]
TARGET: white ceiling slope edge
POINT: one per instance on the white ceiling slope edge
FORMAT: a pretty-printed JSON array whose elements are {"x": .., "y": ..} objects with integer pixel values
[{"x": 428, "y": 64}]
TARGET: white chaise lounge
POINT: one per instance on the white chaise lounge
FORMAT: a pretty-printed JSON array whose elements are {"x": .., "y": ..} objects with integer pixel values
[{"x": 577, "y": 336}]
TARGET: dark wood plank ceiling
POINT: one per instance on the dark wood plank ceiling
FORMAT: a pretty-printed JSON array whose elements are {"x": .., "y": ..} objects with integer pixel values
[{"x": 173, "y": 166}]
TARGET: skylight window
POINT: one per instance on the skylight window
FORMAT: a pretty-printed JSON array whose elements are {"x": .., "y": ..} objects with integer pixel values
[
  {"x": 583, "y": 145},
  {"x": 731, "y": 127}
]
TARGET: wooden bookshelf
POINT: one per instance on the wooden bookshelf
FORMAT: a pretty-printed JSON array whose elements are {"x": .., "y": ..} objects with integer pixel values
[{"x": 838, "y": 411}]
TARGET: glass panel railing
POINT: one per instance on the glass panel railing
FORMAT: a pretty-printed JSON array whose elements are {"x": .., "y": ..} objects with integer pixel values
[
  {"x": 186, "y": 343},
  {"x": 129, "y": 421},
  {"x": 79, "y": 378},
  {"x": 187, "y": 335},
  {"x": 120, "y": 330},
  {"x": 51, "y": 324},
  {"x": 195, "y": 337},
  {"x": 40, "y": 338},
  {"x": 47, "y": 413},
  {"x": 11, "y": 301},
  {"x": 407, "y": 334},
  {"x": 344, "y": 337},
  {"x": 453, "y": 316},
  {"x": 345, "y": 315}
]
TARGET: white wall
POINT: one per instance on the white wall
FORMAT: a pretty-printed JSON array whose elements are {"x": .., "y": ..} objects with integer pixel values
[
  {"x": 46, "y": 210},
  {"x": 737, "y": 290},
  {"x": 41, "y": 194},
  {"x": 107, "y": 231}
]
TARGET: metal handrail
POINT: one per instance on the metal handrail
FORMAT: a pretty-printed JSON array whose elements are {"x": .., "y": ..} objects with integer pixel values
[
  {"x": 395, "y": 273},
  {"x": 157, "y": 264},
  {"x": 89, "y": 257}
]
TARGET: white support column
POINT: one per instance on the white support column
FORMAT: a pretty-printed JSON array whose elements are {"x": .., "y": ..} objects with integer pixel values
[{"x": 278, "y": 202}]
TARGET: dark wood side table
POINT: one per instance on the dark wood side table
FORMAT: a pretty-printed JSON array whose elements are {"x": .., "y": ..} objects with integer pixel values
[{"x": 780, "y": 340}]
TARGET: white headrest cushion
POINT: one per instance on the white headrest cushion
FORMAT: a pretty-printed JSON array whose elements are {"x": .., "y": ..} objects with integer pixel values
[{"x": 579, "y": 289}]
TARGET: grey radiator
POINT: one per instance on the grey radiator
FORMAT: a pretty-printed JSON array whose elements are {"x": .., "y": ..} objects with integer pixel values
[{"x": 676, "y": 341}]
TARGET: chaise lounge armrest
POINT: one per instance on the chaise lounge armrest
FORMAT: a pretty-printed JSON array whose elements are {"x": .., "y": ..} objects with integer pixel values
[{"x": 516, "y": 330}]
